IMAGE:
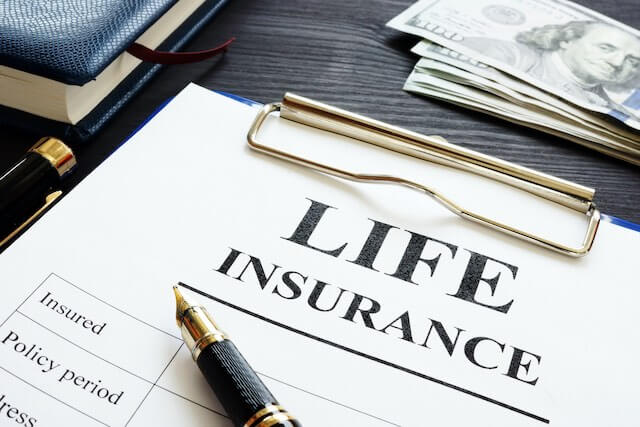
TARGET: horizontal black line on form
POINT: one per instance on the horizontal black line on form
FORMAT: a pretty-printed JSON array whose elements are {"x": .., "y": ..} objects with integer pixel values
[{"x": 370, "y": 357}]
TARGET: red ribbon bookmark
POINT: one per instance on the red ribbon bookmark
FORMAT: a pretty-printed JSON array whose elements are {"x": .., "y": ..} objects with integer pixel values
[{"x": 171, "y": 58}]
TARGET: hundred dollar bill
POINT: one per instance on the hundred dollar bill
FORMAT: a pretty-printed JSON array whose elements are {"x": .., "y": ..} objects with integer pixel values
[
  {"x": 553, "y": 111},
  {"x": 425, "y": 84},
  {"x": 565, "y": 49},
  {"x": 455, "y": 59}
]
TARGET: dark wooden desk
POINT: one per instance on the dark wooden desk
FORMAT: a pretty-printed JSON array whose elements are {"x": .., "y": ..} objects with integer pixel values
[{"x": 340, "y": 52}]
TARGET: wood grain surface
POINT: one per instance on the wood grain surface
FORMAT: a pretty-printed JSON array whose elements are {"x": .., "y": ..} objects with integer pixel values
[{"x": 340, "y": 52}]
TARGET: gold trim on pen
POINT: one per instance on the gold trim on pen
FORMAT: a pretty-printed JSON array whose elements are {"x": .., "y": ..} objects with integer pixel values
[
  {"x": 57, "y": 153},
  {"x": 437, "y": 150},
  {"x": 48, "y": 200},
  {"x": 62, "y": 159},
  {"x": 275, "y": 419},
  {"x": 268, "y": 410},
  {"x": 198, "y": 329},
  {"x": 269, "y": 416}
]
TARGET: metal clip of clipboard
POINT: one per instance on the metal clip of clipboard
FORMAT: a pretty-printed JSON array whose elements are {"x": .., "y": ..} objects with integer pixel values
[{"x": 435, "y": 149}]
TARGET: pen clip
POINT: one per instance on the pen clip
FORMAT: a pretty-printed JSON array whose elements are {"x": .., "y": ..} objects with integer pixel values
[
  {"x": 47, "y": 202},
  {"x": 437, "y": 150}
]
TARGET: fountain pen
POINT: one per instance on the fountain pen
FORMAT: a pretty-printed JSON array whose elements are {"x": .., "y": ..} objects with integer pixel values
[{"x": 244, "y": 397}]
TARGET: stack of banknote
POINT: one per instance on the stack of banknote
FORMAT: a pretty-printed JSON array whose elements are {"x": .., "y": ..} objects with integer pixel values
[{"x": 548, "y": 64}]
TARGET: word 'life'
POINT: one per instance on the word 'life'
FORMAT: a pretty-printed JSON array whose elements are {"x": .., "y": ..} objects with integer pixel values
[{"x": 472, "y": 278}]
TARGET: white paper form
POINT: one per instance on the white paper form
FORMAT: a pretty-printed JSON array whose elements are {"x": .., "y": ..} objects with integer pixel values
[{"x": 358, "y": 305}]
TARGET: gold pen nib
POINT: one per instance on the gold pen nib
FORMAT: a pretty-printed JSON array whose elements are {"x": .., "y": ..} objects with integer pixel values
[
  {"x": 197, "y": 327},
  {"x": 181, "y": 306}
]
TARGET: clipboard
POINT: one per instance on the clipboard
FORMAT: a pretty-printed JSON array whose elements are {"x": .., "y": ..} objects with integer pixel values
[
  {"x": 433, "y": 149},
  {"x": 233, "y": 205}
]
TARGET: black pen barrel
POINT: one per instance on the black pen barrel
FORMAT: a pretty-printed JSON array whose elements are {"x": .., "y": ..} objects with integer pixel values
[
  {"x": 23, "y": 190},
  {"x": 243, "y": 395},
  {"x": 28, "y": 187}
]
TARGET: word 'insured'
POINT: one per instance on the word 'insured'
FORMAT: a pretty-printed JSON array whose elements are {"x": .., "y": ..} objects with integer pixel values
[{"x": 66, "y": 311}]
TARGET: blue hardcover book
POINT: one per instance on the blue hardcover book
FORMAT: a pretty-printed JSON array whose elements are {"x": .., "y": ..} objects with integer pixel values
[{"x": 63, "y": 66}]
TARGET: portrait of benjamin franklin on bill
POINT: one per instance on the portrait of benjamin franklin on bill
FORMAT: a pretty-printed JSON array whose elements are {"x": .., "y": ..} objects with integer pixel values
[{"x": 587, "y": 60}]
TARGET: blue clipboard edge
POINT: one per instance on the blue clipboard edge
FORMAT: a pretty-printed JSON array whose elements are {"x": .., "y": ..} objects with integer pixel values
[
  {"x": 247, "y": 101},
  {"x": 620, "y": 222},
  {"x": 611, "y": 219}
]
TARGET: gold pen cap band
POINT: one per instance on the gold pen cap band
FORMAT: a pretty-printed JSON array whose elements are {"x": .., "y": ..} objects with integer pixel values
[
  {"x": 269, "y": 416},
  {"x": 196, "y": 325},
  {"x": 57, "y": 153}
]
